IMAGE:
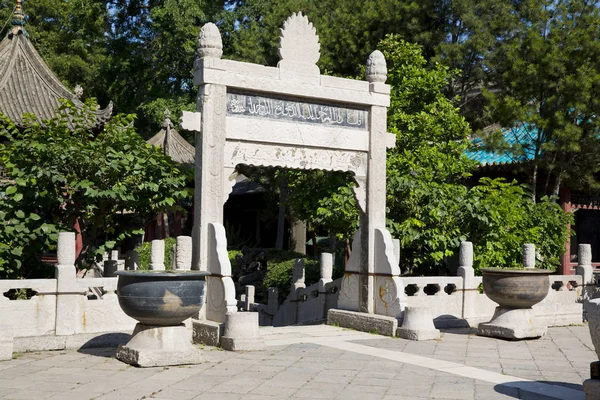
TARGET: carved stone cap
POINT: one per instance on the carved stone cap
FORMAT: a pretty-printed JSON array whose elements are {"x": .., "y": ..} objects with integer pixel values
[
  {"x": 209, "y": 42},
  {"x": 376, "y": 67},
  {"x": 299, "y": 41}
]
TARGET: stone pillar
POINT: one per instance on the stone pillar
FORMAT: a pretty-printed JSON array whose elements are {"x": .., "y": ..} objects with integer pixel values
[
  {"x": 184, "y": 253},
  {"x": 466, "y": 271},
  {"x": 210, "y": 144},
  {"x": 133, "y": 260},
  {"x": 157, "y": 255},
  {"x": 67, "y": 307},
  {"x": 397, "y": 248},
  {"x": 249, "y": 297},
  {"x": 110, "y": 267},
  {"x": 528, "y": 256},
  {"x": 326, "y": 263},
  {"x": 298, "y": 275},
  {"x": 273, "y": 300},
  {"x": 585, "y": 269}
]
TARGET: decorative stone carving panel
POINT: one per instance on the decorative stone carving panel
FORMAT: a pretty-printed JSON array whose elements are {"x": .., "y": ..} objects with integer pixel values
[{"x": 294, "y": 157}]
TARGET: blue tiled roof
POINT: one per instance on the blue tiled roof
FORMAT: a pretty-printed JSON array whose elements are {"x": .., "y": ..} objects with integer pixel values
[{"x": 523, "y": 134}]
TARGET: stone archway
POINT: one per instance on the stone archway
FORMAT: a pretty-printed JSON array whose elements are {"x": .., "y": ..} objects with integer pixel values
[{"x": 292, "y": 116}]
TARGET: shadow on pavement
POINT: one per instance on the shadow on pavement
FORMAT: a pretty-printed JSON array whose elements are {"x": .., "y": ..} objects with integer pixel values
[
  {"x": 541, "y": 390},
  {"x": 104, "y": 345}
]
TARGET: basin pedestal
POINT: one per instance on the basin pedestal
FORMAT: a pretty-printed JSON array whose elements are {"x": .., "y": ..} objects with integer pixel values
[
  {"x": 159, "y": 346},
  {"x": 513, "y": 324}
]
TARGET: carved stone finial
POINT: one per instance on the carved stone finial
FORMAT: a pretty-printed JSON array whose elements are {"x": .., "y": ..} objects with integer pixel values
[
  {"x": 376, "y": 67},
  {"x": 167, "y": 121},
  {"x": 78, "y": 92},
  {"x": 209, "y": 42},
  {"x": 299, "y": 41}
]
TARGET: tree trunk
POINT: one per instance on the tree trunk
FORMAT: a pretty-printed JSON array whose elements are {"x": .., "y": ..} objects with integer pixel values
[
  {"x": 556, "y": 190},
  {"x": 534, "y": 182}
]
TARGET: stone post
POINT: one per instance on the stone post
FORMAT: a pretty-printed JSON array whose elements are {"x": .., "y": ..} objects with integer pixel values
[
  {"x": 184, "y": 253},
  {"x": 326, "y": 263},
  {"x": 67, "y": 307},
  {"x": 585, "y": 269},
  {"x": 249, "y": 297},
  {"x": 110, "y": 267},
  {"x": 133, "y": 260},
  {"x": 157, "y": 255},
  {"x": 466, "y": 271},
  {"x": 397, "y": 248},
  {"x": 273, "y": 301},
  {"x": 529, "y": 256},
  {"x": 298, "y": 275},
  {"x": 210, "y": 146}
]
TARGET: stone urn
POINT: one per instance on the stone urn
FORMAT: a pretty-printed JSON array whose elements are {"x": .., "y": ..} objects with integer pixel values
[
  {"x": 160, "y": 301},
  {"x": 516, "y": 291}
]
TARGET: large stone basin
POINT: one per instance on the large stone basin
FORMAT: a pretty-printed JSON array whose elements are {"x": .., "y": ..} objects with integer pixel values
[
  {"x": 515, "y": 291},
  {"x": 516, "y": 288},
  {"x": 161, "y": 298}
]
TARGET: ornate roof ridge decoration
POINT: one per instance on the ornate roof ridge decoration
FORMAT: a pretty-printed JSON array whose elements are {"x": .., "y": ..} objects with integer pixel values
[
  {"x": 27, "y": 84},
  {"x": 299, "y": 44},
  {"x": 172, "y": 143}
]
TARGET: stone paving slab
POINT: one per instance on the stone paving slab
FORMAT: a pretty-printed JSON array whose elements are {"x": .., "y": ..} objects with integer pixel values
[{"x": 322, "y": 362}]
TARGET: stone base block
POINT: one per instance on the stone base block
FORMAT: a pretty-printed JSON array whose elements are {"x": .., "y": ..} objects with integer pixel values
[
  {"x": 6, "y": 347},
  {"x": 381, "y": 324},
  {"x": 418, "y": 325},
  {"x": 591, "y": 388},
  {"x": 241, "y": 332},
  {"x": 512, "y": 324},
  {"x": 207, "y": 332},
  {"x": 159, "y": 346}
]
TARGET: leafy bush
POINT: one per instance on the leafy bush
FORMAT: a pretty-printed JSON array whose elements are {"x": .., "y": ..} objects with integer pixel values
[
  {"x": 64, "y": 173},
  {"x": 280, "y": 271},
  {"x": 500, "y": 217}
]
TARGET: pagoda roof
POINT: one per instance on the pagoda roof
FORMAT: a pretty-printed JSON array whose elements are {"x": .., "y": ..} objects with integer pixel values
[
  {"x": 522, "y": 134},
  {"x": 173, "y": 144},
  {"x": 27, "y": 84}
]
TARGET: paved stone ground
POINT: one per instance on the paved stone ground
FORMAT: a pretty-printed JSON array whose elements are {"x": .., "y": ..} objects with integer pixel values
[{"x": 322, "y": 362}]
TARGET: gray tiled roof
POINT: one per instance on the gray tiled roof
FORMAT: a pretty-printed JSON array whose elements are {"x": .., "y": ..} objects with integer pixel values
[
  {"x": 173, "y": 144},
  {"x": 27, "y": 85}
]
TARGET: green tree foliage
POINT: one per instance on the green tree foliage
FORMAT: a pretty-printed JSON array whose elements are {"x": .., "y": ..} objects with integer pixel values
[
  {"x": 429, "y": 207},
  {"x": 546, "y": 75},
  {"x": 427, "y": 167},
  {"x": 111, "y": 182},
  {"x": 348, "y": 30}
]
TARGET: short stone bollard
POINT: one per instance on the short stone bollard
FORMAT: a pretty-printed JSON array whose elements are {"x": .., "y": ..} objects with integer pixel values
[
  {"x": 417, "y": 325},
  {"x": 184, "y": 253},
  {"x": 528, "y": 256},
  {"x": 157, "y": 255},
  {"x": 241, "y": 332}
]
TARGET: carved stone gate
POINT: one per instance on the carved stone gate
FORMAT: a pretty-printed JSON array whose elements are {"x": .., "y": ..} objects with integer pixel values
[{"x": 292, "y": 116}]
